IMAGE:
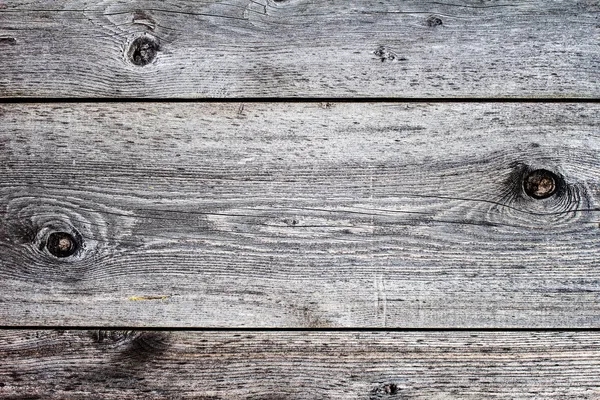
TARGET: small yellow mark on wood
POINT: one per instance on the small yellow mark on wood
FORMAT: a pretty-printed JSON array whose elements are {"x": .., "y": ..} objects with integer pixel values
[{"x": 142, "y": 298}]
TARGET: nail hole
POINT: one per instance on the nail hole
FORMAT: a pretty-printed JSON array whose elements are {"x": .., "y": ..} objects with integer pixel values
[
  {"x": 61, "y": 244},
  {"x": 142, "y": 50},
  {"x": 540, "y": 184}
]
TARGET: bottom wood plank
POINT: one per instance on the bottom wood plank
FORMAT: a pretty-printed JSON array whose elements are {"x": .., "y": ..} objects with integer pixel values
[{"x": 298, "y": 365}]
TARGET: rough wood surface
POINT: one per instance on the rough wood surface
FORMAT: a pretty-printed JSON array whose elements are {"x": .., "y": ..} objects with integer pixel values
[
  {"x": 299, "y": 215},
  {"x": 299, "y": 365},
  {"x": 299, "y": 48}
]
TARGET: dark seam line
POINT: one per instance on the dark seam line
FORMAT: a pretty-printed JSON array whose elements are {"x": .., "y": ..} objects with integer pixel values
[
  {"x": 341, "y": 329},
  {"x": 295, "y": 100}
]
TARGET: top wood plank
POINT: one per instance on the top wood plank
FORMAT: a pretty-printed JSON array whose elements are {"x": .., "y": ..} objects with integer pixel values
[{"x": 299, "y": 48}]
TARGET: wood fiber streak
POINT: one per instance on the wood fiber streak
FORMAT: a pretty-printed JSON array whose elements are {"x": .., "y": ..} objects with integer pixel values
[
  {"x": 299, "y": 215},
  {"x": 298, "y": 365},
  {"x": 300, "y": 48}
]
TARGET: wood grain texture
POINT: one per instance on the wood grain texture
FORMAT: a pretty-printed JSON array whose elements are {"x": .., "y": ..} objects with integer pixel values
[
  {"x": 300, "y": 48},
  {"x": 299, "y": 365},
  {"x": 299, "y": 215}
]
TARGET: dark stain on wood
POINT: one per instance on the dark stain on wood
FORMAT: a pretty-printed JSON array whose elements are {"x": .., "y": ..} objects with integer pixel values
[{"x": 134, "y": 344}]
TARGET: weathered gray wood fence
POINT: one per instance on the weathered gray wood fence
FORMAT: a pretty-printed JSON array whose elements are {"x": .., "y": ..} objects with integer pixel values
[{"x": 422, "y": 224}]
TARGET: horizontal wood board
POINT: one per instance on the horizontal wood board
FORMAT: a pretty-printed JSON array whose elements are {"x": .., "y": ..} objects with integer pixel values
[
  {"x": 300, "y": 48},
  {"x": 299, "y": 365},
  {"x": 299, "y": 215}
]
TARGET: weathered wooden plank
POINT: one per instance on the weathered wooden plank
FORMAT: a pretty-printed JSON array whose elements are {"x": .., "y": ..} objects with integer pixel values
[
  {"x": 299, "y": 48},
  {"x": 299, "y": 215},
  {"x": 299, "y": 365}
]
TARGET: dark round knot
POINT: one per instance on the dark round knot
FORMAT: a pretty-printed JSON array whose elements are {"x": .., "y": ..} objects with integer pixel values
[
  {"x": 143, "y": 50},
  {"x": 61, "y": 244},
  {"x": 540, "y": 184}
]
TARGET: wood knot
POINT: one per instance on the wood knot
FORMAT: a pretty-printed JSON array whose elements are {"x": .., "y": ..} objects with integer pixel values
[
  {"x": 434, "y": 21},
  {"x": 139, "y": 346},
  {"x": 8, "y": 40},
  {"x": 390, "y": 388},
  {"x": 113, "y": 336},
  {"x": 384, "y": 54},
  {"x": 143, "y": 50},
  {"x": 291, "y": 221},
  {"x": 384, "y": 391},
  {"x": 62, "y": 244},
  {"x": 540, "y": 184}
]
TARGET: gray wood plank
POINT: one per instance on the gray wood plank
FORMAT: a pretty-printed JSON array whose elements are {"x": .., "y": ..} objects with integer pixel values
[
  {"x": 299, "y": 215},
  {"x": 299, "y": 48},
  {"x": 299, "y": 365}
]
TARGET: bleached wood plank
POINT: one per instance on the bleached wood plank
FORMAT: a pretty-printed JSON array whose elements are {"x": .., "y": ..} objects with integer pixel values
[
  {"x": 299, "y": 48},
  {"x": 299, "y": 215}
]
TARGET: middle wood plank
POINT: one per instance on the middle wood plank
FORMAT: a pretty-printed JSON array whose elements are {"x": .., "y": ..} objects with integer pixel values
[{"x": 298, "y": 215}]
